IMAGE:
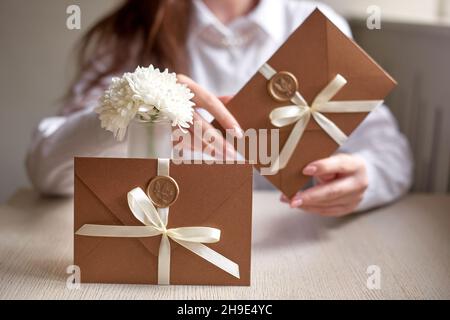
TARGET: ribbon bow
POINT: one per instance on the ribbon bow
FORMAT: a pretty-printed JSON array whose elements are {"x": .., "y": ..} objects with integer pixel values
[
  {"x": 300, "y": 113},
  {"x": 192, "y": 238}
]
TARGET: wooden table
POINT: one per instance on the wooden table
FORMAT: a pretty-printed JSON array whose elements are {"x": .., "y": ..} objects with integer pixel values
[{"x": 295, "y": 255}]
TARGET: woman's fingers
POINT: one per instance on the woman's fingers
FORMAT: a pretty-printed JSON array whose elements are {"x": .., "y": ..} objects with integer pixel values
[
  {"x": 213, "y": 105},
  {"x": 338, "y": 164},
  {"x": 299, "y": 200},
  {"x": 225, "y": 99},
  {"x": 342, "y": 201},
  {"x": 196, "y": 139},
  {"x": 325, "y": 193},
  {"x": 342, "y": 181},
  {"x": 284, "y": 199},
  {"x": 210, "y": 137},
  {"x": 335, "y": 208},
  {"x": 326, "y": 178}
]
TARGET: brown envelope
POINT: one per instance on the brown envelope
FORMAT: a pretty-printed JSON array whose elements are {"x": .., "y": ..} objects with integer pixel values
[
  {"x": 315, "y": 53},
  {"x": 217, "y": 196}
]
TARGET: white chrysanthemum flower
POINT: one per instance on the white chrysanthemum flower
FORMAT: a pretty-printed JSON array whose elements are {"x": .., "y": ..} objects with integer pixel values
[{"x": 149, "y": 93}]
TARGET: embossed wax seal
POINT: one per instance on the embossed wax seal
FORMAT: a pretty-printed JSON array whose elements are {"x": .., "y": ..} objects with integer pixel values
[
  {"x": 282, "y": 86},
  {"x": 163, "y": 191}
]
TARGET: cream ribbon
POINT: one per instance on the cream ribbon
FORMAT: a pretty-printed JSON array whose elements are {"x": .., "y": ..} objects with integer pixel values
[
  {"x": 192, "y": 238},
  {"x": 300, "y": 113}
]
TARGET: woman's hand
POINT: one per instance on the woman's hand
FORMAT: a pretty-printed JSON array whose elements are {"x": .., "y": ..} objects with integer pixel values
[
  {"x": 208, "y": 101},
  {"x": 341, "y": 183}
]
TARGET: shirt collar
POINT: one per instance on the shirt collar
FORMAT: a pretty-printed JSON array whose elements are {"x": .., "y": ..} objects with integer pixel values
[
  {"x": 203, "y": 18},
  {"x": 268, "y": 16}
]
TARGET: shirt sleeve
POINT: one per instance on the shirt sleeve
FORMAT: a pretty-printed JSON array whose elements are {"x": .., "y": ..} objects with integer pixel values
[
  {"x": 57, "y": 140},
  {"x": 387, "y": 156}
]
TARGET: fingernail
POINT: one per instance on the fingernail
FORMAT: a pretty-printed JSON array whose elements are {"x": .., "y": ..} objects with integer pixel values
[
  {"x": 296, "y": 203},
  {"x": 310, "y": 170},
  {"x": 239, "y": 133}
]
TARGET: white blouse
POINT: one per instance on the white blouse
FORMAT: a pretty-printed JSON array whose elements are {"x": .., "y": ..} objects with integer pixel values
[{"x": 222, "y": 59}]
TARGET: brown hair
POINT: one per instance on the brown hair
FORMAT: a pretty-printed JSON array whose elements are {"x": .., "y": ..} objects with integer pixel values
[{"x": 138, "y": 32}]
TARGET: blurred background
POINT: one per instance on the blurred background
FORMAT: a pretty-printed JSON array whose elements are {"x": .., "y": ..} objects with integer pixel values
[{"x": 413, "y": 44}]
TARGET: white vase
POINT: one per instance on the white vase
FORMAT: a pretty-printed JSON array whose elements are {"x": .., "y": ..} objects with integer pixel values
[{"x": 150, "y": 139}]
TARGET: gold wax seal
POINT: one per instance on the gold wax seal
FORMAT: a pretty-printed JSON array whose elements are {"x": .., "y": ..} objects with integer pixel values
[
  {"x": 163, "y": 191},
  {"x": 282, "y": 86}
]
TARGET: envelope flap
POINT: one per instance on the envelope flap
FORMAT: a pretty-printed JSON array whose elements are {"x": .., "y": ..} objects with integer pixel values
[
  {"x": 110, "y": 180},
  {"x": 315, "y": 53},
  {"x": 203, "y": 188}
]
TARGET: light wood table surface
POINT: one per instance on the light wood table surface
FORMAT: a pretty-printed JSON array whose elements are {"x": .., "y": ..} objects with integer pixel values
[{"x": 295, "y": 255}]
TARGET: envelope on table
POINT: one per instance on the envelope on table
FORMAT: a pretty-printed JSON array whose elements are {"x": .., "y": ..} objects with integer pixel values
[
  {"x": 216, "y": 196},
  {"x": 315, "y": 54}
]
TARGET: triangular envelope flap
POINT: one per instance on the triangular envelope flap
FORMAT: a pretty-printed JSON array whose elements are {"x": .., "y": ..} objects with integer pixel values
[
  {"x": 88, "y": 209},
  {"x": 330, "y": 52},
  {"x": 110, "y": 180}
]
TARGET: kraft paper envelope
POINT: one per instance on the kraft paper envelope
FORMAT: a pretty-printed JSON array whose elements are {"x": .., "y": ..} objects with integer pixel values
[
  {"x": 315, "y": 53},
  {"x": 217, "y": 196}
]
